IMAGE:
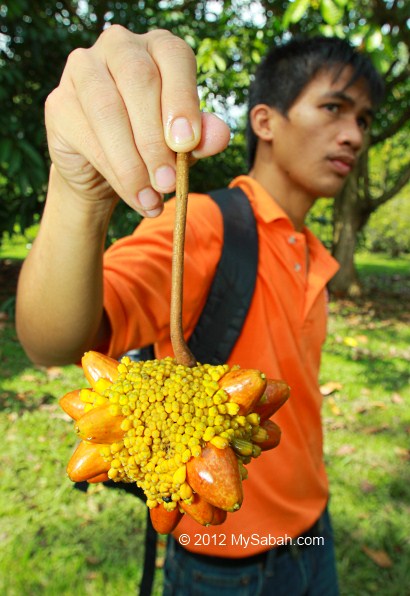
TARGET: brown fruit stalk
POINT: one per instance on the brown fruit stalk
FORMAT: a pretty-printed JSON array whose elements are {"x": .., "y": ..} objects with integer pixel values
[{"x": 182, "y": 353}]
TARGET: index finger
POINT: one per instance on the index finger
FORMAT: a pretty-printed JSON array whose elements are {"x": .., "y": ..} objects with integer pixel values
[{"x": 176, "y": 63}]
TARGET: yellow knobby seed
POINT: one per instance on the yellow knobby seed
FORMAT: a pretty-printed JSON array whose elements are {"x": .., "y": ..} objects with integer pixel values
[
  {"x": 219, "y": 442},
  {"x": 179, "y": 476},
  {"x": 102, "y": 385}
]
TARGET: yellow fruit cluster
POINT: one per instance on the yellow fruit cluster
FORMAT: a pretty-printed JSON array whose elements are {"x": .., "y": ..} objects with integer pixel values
[{"x": 169, "y": 413}]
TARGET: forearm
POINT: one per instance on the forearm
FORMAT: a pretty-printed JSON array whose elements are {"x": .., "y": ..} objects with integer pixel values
[{"x": 60, "y": 291}]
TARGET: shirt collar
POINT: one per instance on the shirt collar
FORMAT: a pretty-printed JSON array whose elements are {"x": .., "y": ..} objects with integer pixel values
[
  {"x": 265, "y": 205},
  {"x": 268, "y": 210}
]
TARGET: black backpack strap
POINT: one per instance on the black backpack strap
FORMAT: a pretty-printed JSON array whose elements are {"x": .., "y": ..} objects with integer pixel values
[{"x": 231, "y": 291}]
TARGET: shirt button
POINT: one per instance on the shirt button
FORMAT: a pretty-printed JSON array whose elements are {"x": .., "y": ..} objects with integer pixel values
[
  {"x": 291, "y": 239},
  {"x": 297, "y": 267}
]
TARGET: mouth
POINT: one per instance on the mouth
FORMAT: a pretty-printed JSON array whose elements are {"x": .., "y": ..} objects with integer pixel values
[{"x": 342, "y": 164}]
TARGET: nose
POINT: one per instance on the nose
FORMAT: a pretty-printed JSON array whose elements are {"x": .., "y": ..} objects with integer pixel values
[{"x": 351, "y": 134}]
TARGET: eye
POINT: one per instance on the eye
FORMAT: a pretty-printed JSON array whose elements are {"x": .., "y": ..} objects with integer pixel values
[
  {"x": 363, "y": 123},
  {"x": 332, "y": 107}
]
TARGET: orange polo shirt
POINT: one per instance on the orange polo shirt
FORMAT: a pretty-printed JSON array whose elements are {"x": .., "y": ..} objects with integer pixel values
[{"x": 286, "y": 489}]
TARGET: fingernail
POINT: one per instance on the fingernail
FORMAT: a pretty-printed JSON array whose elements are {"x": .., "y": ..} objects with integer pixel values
[
  {"x": 182, "y": 131},
  {"x": 149, "y": 199},
  {"x": 165, "y": 178}
]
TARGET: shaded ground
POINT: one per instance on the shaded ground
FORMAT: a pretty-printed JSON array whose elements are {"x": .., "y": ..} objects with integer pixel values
[{"x": 9, "y": 272}]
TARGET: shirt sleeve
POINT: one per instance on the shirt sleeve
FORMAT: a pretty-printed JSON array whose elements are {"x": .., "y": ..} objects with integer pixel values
[{"x": 137, "y": 274}]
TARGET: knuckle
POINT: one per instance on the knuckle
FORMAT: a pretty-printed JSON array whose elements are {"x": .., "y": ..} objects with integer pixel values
[
  {"x": 77, "y": 58},
  {"x": 173, "y": 47},
  {"x": 54, "y": 104},
  {"x": 114, "y": 33},
  {"x": 137, "y": 69},
  {"x": 104, "y": 107},
  {"x": 154, "y": 146},
  {"x": 128, "y": 172}
]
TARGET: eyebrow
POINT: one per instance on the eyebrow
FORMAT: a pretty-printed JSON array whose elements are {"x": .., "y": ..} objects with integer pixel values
[{"x": 348, "y": 99}]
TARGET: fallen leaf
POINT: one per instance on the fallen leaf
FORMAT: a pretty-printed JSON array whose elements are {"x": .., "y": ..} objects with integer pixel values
[
  {"x": 29, "y": 378},
  {"x": 366, "y": 391},
  {"x": 370, "y": 406},
  {"x": 350, "y": 341},
  {"x": 159, "y": 562},
  {"x": 397, "y": 398},
  {"x": 380, "y": 557},
  {"x": 92, "y": 560},
  {"x": 363, "y": 339},
  {"x": 335, "y": 408},
  {"x": 54, "y": 372},
  {"x": 367, "y": 487},
  {"x": 402, "y": 453},
  {"x": 374, "y": 430},
  {"x": 330, "y": 387},
  {"x": 346, "y": 450},
  {"x": 340, "y": 424}
]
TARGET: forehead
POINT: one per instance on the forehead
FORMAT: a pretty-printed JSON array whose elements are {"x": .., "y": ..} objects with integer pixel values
[{"x": 334, "y": 82}]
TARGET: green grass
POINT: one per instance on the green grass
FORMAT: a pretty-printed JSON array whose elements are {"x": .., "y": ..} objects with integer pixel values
[
  {"x": 382, "y": 264},
  {"x": 56, "y": 540}
]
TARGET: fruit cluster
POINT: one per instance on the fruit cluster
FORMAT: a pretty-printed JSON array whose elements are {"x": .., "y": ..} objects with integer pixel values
[{"x": 182, "y": 434}]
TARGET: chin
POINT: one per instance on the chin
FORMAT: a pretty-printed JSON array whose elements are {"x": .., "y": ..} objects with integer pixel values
[{"x": 330, "y": 189}]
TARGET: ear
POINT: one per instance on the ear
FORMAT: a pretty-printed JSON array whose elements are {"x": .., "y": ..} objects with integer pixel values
[{"x": 261, "y": 119}]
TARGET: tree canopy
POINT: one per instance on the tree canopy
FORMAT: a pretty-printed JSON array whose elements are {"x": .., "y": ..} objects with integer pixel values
[{"x": 229, "y": 39}]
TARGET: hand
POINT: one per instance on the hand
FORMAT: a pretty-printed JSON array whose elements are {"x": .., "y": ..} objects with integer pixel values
[{"x": 121, "y": 111}]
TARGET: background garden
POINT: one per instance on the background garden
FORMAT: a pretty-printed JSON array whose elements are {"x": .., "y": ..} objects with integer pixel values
[{"x": 57, "y": 540}]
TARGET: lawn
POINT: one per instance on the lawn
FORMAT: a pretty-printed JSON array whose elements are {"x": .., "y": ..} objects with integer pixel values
[{"x": 57, "y": 540}]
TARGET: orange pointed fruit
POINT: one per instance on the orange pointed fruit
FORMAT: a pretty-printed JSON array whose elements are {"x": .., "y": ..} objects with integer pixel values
[
  {"x": 86, "y": 462},
  {"x": 219, "y": 517},
  {"x": 164, "y": 521},
  {"x": 199, "y": 509},
  {"x": 100, "y": 426},
  {"x": 215, "y": 476},
  {"x": 273, "y": 439},
  {"x": 98, "y": 366},
  {"x": 275, "y": 395},
  {"x": 72, "y": 404},
  {"x": 99, "y": 478},
  {"x": 244, "y": 386}
]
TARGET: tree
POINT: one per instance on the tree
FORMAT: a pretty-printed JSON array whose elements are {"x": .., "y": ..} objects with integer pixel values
[
  {"x": 228, "y": 38},
  {"x": 376, "y": 180}
]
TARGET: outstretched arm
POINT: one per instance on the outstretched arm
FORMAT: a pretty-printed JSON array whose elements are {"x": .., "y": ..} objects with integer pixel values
[{"x": 121, "y": 111}]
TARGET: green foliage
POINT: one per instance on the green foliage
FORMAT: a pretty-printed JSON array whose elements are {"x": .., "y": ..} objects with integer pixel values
[
  {"x": 228, "y": 39},
  {"x": 388, "y": 228},
  {"x": 320, "y": 221}
]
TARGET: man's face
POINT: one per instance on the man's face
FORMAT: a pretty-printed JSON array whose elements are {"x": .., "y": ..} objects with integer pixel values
[{"x": 316, "y": 145}]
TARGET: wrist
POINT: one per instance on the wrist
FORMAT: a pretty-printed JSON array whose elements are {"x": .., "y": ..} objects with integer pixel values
[{"x": 76, "y": 209}]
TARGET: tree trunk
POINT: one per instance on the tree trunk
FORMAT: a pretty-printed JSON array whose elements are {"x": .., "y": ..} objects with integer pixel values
[{"x": 347, "y": 221}]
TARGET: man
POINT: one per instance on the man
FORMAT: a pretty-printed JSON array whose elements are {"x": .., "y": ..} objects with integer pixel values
[{"x": 122, "y": 109}]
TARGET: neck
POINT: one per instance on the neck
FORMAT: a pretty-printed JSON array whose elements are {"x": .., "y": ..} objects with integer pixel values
[{"x": 294, "y": 201}]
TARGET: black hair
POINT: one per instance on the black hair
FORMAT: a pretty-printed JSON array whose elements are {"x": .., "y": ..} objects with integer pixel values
[{"x": 288, "y": 68}]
